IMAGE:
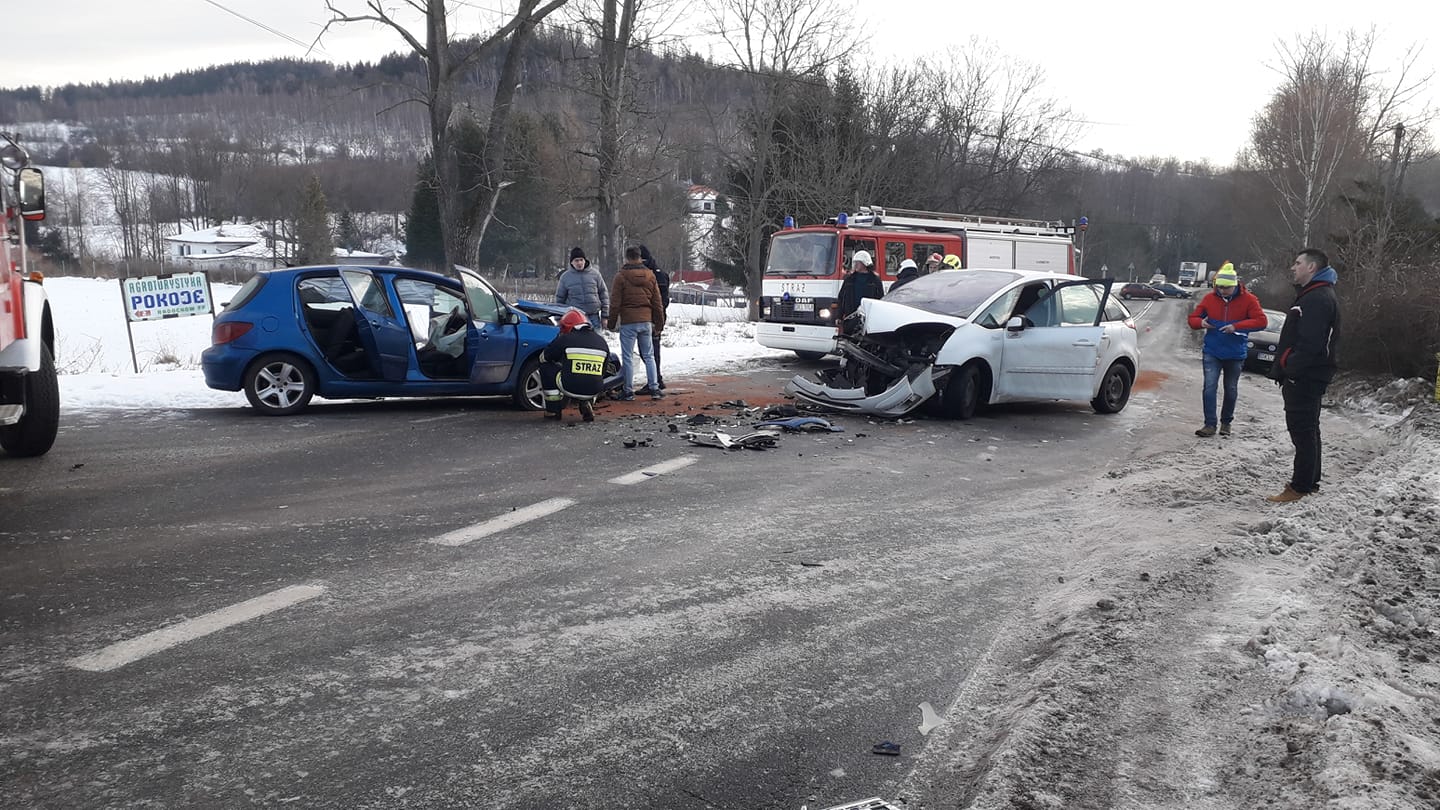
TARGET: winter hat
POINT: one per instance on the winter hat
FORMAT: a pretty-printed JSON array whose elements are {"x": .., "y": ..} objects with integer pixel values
[
  {"x": 577, "y": 253},
  {"x": 910, "y": 263},
  {"x": 646, "y": 259},
  {"x": 1226, "y": 276},
  {"x": 936, "y": 258}
]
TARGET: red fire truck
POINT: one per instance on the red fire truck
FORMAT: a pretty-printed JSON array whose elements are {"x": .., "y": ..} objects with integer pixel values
[
  {"x": 29, "y": 394},
  {"x": 806, "y": 265}
]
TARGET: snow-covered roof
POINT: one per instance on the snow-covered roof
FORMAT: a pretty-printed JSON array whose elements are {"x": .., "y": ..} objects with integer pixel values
[
  {"x": 220, "y": 234},
  {"x": 342, "y": 253}
]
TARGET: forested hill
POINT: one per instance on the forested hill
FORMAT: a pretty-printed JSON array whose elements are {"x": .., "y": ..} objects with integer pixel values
[{"x": 357, "y": 108}]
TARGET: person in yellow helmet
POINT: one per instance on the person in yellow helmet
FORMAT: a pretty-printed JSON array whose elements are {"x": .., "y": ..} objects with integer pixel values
[{"x": 951, "y": 261}]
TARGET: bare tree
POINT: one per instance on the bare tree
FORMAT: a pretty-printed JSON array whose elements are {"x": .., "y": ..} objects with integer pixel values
[
  {"x": 465, "y": 213},
  {"x": 781, "y": 46},
  {"x": 1313, "y": 127}
]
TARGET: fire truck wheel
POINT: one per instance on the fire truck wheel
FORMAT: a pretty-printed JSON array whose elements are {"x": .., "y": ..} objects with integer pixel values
[{"x": 34, "y": 434}]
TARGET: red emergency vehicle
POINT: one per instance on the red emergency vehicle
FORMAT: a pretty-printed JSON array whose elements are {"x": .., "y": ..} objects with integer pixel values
[
  {"x": 807, "y": 264},
  {"x": 29, "y": 393}
]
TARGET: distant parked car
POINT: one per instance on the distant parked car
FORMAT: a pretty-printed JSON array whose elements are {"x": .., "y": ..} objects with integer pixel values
[
  {"x": 366, "y": 332},
  {"x": 1140, "y": 291},
  {"x": 1171, "y": 291},
  {"x": 1261, "y": 355}
]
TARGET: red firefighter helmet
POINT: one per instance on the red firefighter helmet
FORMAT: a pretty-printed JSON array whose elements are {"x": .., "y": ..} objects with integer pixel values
[{"x": 573, "y": 319}]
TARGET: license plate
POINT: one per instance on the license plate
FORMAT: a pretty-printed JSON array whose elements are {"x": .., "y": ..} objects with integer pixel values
[
  {"x": 1265, "y": 356},
  {"x": 804, "y": 307}
]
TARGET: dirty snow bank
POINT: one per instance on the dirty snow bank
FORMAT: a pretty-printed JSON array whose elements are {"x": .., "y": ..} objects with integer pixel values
[{"x": 1200, "y": 648}]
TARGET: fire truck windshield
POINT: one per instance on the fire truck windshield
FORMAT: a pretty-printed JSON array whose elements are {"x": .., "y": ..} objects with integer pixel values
[{"x": 802, "y": 254}]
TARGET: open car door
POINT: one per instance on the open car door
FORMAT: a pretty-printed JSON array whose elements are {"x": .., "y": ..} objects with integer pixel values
[
  {"x": 383, "y": 335},
  {"x": 495, "y": 338},
  {"x": 1052, "y": 351}
]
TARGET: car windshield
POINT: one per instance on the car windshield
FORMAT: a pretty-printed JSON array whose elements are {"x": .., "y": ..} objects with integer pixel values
[
  {"x": 1277, "y": 321},
  {"x": 953, "y": 292},
  {"x": 802, "y": 254}
]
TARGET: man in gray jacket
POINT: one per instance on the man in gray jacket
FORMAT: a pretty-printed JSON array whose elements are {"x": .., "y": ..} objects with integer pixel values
[{"x": 581, "y": 287}]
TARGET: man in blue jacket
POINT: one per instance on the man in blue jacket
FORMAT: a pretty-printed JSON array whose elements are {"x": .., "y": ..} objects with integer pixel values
[{"x": 1305, "y": 365}]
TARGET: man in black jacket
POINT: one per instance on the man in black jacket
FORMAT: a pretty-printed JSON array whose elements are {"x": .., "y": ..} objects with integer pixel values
[
  {"x": 860, "y": 284},
  {"x": 1305, "y": 364},
  {"x": 662, "y": 280}
]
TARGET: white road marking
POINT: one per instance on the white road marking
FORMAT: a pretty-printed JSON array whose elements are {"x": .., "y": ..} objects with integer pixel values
[
  {"x": 436, "y": 418},
  {"x": 124, "y": 652},
  {"x": 469, "y": 534},
  {"x": 659, "y": 469}
]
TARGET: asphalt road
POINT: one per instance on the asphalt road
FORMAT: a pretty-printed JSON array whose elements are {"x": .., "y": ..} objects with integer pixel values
[{"x": 736, "y": 631}]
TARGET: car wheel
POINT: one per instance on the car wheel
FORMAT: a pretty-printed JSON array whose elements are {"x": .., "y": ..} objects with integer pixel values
[
  {"x": 1114, "y": 390},
  {"x": 811, "y": 356},
  {"x": 35, "y": 433},
  {"x": 962, "y": 395},
  {"x": 529, "y": 391},
  {"x": 279, "y": 384}
]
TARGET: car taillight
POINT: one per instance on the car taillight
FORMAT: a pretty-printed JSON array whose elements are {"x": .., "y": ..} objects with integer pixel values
[
  {"x": 228, "y": 331},
  {"x": 1130, "y": 323}
]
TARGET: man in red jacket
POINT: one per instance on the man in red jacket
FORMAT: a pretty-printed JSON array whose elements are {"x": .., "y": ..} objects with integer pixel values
[{"x": 1227, "y": 314}]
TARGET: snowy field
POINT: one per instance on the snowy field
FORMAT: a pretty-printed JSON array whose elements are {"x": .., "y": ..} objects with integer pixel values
[{"x": 97, "y": 371}]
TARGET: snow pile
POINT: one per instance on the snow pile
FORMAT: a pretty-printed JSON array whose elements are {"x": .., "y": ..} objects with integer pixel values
[{"x": 1201, "y": 648}]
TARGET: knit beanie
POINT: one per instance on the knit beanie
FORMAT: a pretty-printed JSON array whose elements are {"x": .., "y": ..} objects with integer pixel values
[{"x": 577, "y": 253}]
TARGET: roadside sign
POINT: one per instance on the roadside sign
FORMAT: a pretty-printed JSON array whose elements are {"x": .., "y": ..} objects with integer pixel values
[
  {"x": 154, "y": 298},
  {"x": 151, "y": 298}
]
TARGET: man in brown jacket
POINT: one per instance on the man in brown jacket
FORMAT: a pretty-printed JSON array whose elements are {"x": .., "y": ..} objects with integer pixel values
[{"x": 638, "y": 310}]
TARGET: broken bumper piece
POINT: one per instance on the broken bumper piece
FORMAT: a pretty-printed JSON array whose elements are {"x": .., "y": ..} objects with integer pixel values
[{"x": 903, "y": 396}]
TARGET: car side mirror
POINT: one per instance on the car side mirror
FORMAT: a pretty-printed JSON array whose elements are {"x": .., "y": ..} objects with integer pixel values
[{"x": 1015, "y": 324}]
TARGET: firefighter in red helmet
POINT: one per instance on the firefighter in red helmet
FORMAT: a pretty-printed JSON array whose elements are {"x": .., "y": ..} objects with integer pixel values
[{"x": 574, "y": 367}]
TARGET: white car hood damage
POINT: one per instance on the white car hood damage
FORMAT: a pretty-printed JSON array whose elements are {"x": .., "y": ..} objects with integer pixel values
[
  {"x": 881, "y": 316},
  {"x": 907, "y": 393}
]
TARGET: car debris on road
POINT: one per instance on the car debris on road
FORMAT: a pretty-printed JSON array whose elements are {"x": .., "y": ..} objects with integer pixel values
[{"x": 759, "y": 440}]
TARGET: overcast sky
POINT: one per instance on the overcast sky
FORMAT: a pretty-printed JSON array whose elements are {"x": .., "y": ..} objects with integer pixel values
[{"x": 1151, "y": 78}]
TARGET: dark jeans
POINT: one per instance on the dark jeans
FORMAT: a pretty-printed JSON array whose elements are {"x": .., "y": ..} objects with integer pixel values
[
  {"x": 1214, "y": 366},
  {"x": 659, "y": 375},
  {"x": 1302, "y": 419}
]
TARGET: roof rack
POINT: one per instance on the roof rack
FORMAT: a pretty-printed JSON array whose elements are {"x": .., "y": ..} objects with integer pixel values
[{"x": 875, "y": 215}]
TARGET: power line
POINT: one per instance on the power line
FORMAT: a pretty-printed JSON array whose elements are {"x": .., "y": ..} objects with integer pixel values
[{"x": 308, "y": 47}]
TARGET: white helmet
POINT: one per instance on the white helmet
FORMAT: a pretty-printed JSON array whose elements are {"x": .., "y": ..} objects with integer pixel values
[
  {"x": 910, "y": 263},
  {"x": 862, "y": 256}
]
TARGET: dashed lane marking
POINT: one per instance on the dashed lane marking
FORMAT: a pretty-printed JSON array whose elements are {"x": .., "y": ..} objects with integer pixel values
[
  {"x": 650, "y": 472},
  {"x": 436, "y": 418},
  {"x": 124, "y": 652},
  {"x": 470, "y": 534}
]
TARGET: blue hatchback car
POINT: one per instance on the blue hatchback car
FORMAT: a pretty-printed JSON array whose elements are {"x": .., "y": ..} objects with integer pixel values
[{"x": 365, "y": 332}]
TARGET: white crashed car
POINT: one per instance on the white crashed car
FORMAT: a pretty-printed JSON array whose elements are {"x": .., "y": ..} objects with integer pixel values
[{"x": 961, "y": 339}]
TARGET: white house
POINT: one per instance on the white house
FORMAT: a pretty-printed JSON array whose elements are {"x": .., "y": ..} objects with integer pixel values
[
  {"x": 246, "y": 247},
  {"x": 224, "y": 247},
  {"x": 700, "y": 233}
]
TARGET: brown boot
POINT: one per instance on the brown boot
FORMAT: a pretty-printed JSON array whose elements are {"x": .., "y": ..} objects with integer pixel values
[
  {"x": 1287, "y": 495},
  {"x": 587, "y": 411}
]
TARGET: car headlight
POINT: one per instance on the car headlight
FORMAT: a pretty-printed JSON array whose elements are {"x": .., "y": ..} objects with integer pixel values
[{"x": 824, "y": 314}]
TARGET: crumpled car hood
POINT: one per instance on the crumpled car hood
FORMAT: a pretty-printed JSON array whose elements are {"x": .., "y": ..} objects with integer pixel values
[{"x": 881, "y": 316}]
